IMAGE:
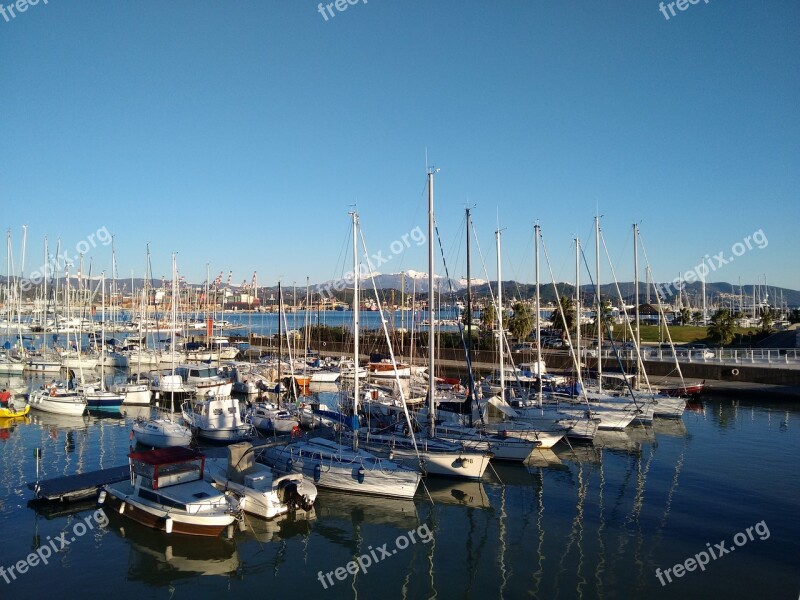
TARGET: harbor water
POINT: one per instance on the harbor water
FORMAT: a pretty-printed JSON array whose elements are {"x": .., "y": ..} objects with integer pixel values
[{"x": 600, "y": 521}]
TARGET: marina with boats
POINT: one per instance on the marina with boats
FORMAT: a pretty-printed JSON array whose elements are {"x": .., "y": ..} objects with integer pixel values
[{"x": 274, "y": 438}]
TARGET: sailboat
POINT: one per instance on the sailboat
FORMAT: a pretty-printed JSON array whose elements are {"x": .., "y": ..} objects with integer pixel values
[
  {"x": 456, "y": 412},
  {"x": 335, "y": 466},
  {"x": 100, "y": 398},
  {"x": 163, "y": 431},
  {"x": 435, "y": 455}
]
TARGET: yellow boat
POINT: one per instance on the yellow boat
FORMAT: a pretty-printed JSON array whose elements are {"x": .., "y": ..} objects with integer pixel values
[{"x": 6, "y": 413}]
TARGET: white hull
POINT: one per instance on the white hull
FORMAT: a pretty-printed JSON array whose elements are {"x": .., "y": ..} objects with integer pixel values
[
  {"x": 87, "y": 362},
  {"x": 263, "y": 498},
  {"x": 464, "y": 464},
  {"x": 324, "y": 377},
  {"x": 11, "y": 368},
  {"x": 161, "y": 433},
  {"x": 43, "y": 366},
  {"x": 135, "y": 394},
  {"x": 335, "y": 468},
  {"x": 57, "y": 405},
  {"x": 511, "y": 449}
]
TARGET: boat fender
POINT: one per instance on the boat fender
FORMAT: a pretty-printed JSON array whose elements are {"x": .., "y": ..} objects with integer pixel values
[
  {"x": 288, "y": 465},
  {"x": 168, "y": 525},
  {"x": 52, "y": 391},
  {"x": 122, "y": 508},
  {"x": 360, "y": 474},
  {"x": 734, "y": 372},
  {"x": 101, "y": 498},
  {"x": 317, "y": 472}
]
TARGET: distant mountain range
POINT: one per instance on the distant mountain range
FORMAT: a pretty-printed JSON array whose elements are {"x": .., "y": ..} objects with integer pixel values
[{"x": 418, "y": 281}]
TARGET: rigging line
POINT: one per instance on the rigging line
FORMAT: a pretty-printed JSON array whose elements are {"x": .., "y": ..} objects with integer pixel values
[
  {"x": 602, "y": 321},
  {"x": 564, "y": 319},
  {"x": 389, "y": 345},
  {"x": 663, "y": 317},
  {"x": 472, "y": 388},
  {"x": 639, "y": 361}
]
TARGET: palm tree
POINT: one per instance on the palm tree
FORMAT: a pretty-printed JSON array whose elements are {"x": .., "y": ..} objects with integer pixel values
[
  {"x": 568, "y": 308},
  {"x": 521, "y": 322},
  {"x": 685, "y": 316},
  {"x": 721, "y": 328}
]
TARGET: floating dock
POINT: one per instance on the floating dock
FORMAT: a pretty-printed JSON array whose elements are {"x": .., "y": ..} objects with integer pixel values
[{"x": 79, "y": 486}]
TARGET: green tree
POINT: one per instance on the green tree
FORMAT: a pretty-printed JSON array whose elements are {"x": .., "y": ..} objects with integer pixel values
[
  {"x": 794, "y": 316},
  {"x": 521, "y": 322},
  {"x": 721, "y": 328},
  {"x": 568, "y": 308},
  {"x": 685, "y": 316},
  {"x": 766, "y": 320},
  {"x": 488, "y": 316},
  {"x": 606, "y": 314}
]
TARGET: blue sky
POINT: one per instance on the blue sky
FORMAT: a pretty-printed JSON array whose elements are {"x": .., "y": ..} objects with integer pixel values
[{"x": 239, "y": 133}]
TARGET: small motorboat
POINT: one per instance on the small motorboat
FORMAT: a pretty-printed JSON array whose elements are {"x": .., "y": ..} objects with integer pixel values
[
  {"x": 261, "y": 493},
  {"x": 167, "y": 491}
]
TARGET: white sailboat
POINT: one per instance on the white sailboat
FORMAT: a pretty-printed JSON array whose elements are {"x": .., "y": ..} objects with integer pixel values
[
  {"x": 435, "y": 455},
  {"x": 335, "y": 466},
  {"x": 163, "y": 431}
]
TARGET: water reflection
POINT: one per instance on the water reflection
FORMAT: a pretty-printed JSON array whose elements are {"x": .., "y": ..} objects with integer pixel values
[
  {"x": 452, "y": 491},
  {"x": 587, "y": 521},
  {"x": 157, "y": 559}
]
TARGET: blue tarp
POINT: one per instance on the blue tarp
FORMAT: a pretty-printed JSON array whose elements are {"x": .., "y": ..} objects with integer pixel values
[{"x": 350, "y": 421}]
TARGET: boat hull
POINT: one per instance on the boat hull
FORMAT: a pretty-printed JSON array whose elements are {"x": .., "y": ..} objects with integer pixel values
[
  {"x": 156, "y": 518},
  {"x": 331, "y": 473},
  {"x": 57, "y": 405}
]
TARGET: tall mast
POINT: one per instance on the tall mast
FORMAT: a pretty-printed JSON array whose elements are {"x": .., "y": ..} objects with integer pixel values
[
  {"x": 44, "y": 291},
  {"x": 599, "y": 302},
  {"x": 636, "y": 296},
  {"x": 280, "y": 334},
  {"x": 703, "y": 291},
  {"x": 500, "y": 319},
  {"x": 469, "y": 323},
  {"x": 356, "y": 324},
  {"x": 538, "y": 325},
  {"x": 431, "y": 330},
  {"x": 578, "y": 303},
  {"x": 103, "y": 331},
  {"x": 402, "y": 311}
]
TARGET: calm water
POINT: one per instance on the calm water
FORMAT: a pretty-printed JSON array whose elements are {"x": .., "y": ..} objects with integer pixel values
[{"x": 587, "y": 522}]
